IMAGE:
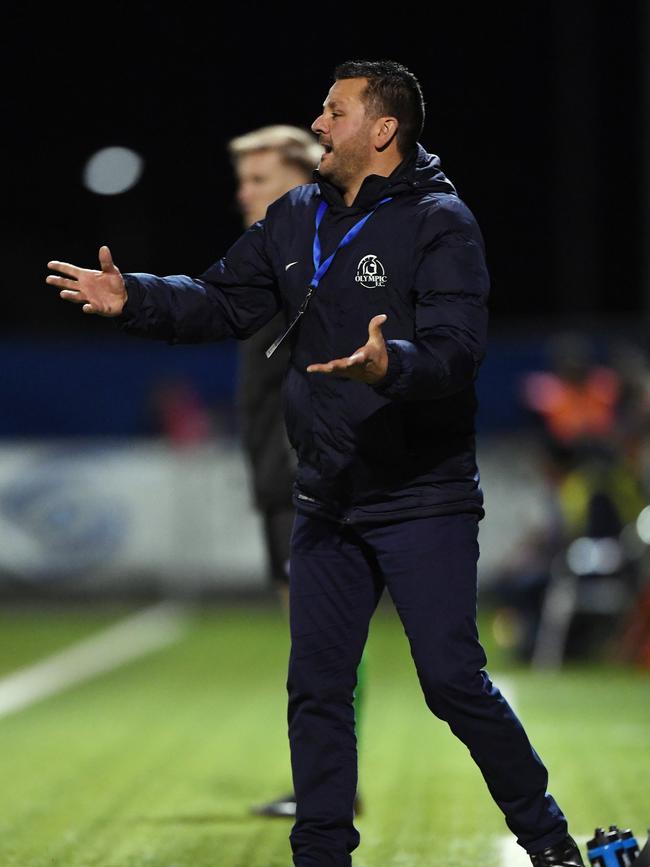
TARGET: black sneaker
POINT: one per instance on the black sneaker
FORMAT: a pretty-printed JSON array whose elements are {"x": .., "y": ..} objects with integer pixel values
[
  {"x": 281, "y": 808},
  {"x": 285, "y": 808},
  {"x": 564, "y": 854}
]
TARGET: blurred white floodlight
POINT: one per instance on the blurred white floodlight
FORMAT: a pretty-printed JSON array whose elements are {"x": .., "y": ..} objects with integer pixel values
[
  {"x": 643, "y": 525},
  {"x": 112, "y": 170},
  {"x": 587, "y": 556}
]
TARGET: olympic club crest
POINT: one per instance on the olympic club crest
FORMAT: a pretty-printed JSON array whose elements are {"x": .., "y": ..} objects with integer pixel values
[{"x": 370, "y": 272}]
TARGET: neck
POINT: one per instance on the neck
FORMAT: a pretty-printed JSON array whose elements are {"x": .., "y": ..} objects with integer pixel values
[{"x": 383, "y": 165}]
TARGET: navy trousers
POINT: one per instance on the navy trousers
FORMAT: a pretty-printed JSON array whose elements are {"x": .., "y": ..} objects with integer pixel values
[{"x": 338, "y": 573}]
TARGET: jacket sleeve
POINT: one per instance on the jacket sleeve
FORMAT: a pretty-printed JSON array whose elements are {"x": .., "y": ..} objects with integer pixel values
[
  {"x": 234, "y": 298},
  {"x": 450, "y": 289}
]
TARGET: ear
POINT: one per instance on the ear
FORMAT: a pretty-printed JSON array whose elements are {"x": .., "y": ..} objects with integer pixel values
[{"x": 385, "y": 131}]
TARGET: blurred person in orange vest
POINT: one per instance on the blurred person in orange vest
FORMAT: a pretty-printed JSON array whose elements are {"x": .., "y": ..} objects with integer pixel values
[
  {"x": 591, "y": 489},
  {"x": 578, "y": 399}
]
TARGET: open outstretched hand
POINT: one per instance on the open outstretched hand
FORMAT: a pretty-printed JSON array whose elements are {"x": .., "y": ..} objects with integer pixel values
[
  {"x": 367, "y": 364},
  {"x": 102, "y": 292}
]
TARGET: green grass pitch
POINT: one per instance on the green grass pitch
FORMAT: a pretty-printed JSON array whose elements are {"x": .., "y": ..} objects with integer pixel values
[{"x": 156, "y": 764}]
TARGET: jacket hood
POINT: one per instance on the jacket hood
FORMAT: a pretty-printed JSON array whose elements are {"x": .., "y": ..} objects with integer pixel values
[{"x": 419, "y": 171}]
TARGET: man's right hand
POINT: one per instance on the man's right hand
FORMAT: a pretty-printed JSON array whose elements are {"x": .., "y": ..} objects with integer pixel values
[{"x": 102, "y": 292}]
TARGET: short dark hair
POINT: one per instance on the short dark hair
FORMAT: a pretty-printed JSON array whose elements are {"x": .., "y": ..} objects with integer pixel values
[{"x": 392, "y": 90}]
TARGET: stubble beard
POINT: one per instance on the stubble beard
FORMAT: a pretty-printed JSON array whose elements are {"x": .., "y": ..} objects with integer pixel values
[{"x": 349, "y": 162}]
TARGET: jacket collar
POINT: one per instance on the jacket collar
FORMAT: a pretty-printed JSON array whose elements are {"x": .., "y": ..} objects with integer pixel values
[
  {"x": 373, "y": 187},
  {"x": 419, "y": 170}
]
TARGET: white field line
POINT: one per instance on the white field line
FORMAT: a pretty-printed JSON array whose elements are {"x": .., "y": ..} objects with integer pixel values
[
  {"x": 512, "y": 855},
  {"x": 510, "y": 852},
  {"x": 507, "y": 689},
  {"x": 135, "y": 636}
]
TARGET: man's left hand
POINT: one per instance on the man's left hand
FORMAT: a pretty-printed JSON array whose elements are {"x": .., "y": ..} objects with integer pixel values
[{"x": 367, "y": 364}]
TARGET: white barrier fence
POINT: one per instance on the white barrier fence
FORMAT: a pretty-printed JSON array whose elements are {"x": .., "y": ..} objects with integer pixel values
[
  {"x": 98, "y": 513},
  {"x": 135, "y": 513}
]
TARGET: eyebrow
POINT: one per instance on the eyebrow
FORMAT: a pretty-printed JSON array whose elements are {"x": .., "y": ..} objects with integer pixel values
[{"x": 332, "y": 104}]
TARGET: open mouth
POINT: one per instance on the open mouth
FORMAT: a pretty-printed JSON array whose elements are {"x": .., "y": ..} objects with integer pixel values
[{"x": 327, "y": 148}]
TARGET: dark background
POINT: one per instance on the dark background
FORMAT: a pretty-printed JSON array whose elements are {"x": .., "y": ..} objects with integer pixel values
[{"x": 534, "y": 108}]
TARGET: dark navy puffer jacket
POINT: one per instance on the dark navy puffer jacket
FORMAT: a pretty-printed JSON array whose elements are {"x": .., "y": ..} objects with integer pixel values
[{"x": 405, "y": 447}]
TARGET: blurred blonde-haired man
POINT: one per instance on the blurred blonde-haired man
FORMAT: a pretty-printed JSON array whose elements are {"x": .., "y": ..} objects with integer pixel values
[{"x": 268, "y": 162}]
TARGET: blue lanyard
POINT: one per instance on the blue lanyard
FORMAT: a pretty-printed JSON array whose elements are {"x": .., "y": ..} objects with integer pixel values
[{"x": 321, "y": 268}]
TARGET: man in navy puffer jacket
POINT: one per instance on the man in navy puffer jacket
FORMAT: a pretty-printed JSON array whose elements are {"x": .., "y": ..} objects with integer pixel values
[{"x": 380, "y": 254}]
